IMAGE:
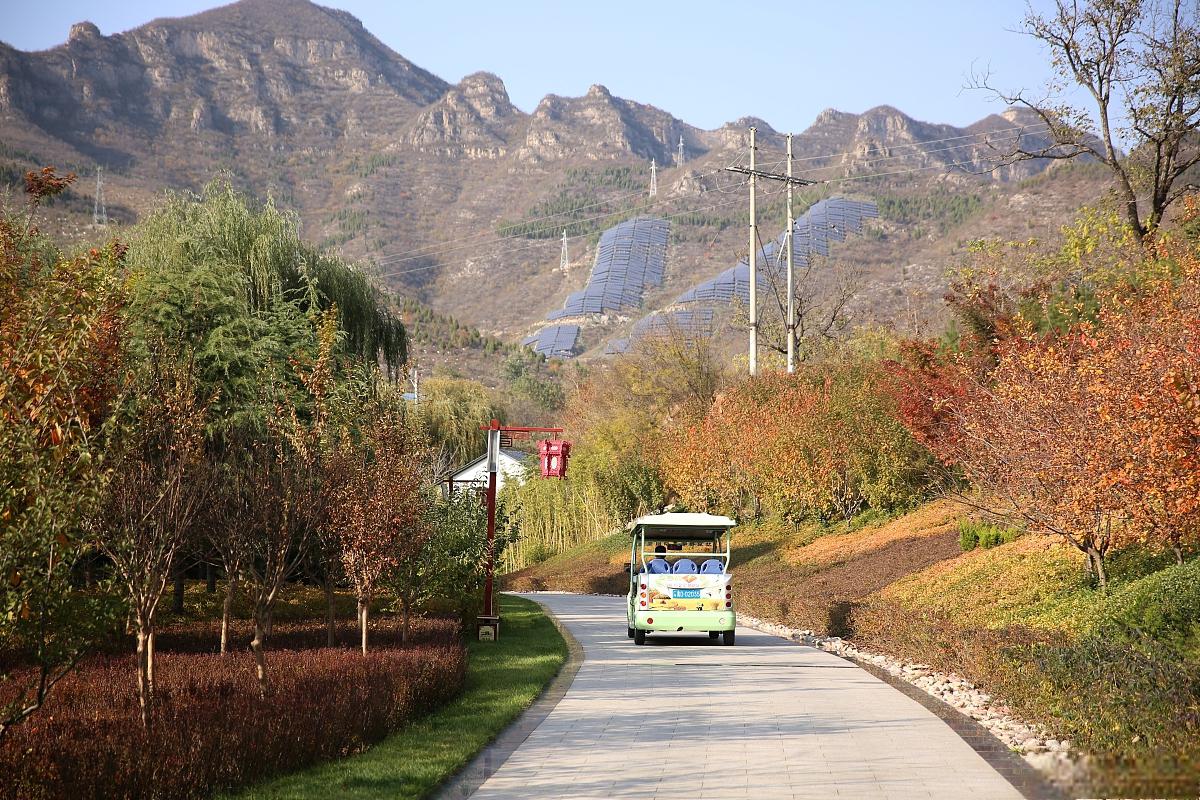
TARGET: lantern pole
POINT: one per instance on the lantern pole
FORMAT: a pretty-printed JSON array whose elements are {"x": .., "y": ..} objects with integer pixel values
[
  {"x": 489, "y": 620},
  {"x": 493, "y": 465}
]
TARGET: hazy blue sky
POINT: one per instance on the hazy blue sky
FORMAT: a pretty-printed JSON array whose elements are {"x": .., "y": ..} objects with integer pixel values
[{"x": 705, "y": 62}]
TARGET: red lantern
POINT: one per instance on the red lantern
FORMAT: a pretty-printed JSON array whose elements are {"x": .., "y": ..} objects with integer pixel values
[{"x": 553, "y": 454}]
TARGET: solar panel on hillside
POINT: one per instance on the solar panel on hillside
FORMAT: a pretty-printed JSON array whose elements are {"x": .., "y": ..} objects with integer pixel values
[
  {"x": 629, "y": 257},
  {"x": 554, "y": 341},
  {"x": 825, "y": 221},
  {"x": 691, "y": 322}
]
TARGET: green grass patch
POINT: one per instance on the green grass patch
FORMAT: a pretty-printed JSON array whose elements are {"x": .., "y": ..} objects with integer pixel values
[{"x": 503, "y": 679}]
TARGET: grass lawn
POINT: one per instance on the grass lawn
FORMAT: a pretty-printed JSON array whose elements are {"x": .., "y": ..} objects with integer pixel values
[{"x": 503, "y": 678}]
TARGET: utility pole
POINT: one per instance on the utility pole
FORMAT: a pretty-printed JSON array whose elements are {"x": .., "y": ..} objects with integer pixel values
[
  {"x": 99, "y": 212},
  {"x": 564, "y": 263},
  {"x": 752, "y": 258},
  {"x": 679, "y": 159},
  {"x": 791, "y": 275},
  {"x": 755, "y": 174},
  {"x": 653, "y": 178}
]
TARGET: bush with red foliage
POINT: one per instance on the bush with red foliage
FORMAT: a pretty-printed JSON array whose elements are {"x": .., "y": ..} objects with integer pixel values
[{"x": 210, "y": 728}]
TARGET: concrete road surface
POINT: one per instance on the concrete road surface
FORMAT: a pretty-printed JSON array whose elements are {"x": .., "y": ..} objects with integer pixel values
[{"x": 681, "y": 717}]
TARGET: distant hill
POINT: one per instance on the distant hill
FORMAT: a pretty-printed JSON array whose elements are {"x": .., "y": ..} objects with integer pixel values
[{"x": 458, "y": 197}]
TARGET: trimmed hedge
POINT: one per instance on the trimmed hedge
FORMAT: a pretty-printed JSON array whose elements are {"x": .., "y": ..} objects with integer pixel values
[{"x": 211, "y": 729}]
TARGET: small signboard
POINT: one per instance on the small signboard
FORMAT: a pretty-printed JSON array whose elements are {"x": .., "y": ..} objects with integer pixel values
[{"x": 489, "y": 627}]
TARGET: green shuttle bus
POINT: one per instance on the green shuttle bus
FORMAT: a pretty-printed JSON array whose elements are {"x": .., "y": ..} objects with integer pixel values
[{"x": 679, "y": 576}]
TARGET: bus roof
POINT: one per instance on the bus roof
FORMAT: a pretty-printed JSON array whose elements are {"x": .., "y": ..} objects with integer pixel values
[{"x": 680, "y": 526}]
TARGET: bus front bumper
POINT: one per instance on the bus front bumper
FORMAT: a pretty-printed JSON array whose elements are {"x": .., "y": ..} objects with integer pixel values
[{"x": 722, "y": 620}]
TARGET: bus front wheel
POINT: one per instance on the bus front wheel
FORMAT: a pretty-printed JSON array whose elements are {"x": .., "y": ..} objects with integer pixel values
[
  {"x": 728, "y": 638},
  {"x": 714, "y": 634},
  {"x": 630, "y": 633},
  {"x": 639, "y": 637}
]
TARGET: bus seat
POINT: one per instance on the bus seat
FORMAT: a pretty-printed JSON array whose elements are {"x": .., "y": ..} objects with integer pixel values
[
  {"x": 684, "y": 566},
  {"x": 713, "y": 566},
  {"x": 658, "y": 566}
]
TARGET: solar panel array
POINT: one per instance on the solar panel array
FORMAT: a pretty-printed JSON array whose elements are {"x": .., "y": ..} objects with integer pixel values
[
  {"x": 826, "y": 221},
  {"x": 554, "y": 341},
  {"x": 694, "y": 322},
  {"x": 630, "y": 257}
]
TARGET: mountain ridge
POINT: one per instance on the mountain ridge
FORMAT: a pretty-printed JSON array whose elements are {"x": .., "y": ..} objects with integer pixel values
[{"x": 390, "y": 164}]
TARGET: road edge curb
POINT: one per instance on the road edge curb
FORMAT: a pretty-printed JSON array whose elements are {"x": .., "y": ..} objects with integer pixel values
[{"x": 487, "y": 761}]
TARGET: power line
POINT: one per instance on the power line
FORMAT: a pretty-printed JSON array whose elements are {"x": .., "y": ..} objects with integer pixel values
[
  {"x": 435, "y": 249},
  {"x": 772, "y": 165},
  {"x": 416, "y": 253},
  {"x": 1032, "y": 130},
  {"x": 541, "y": 242},
  {"x": 466, "y": 243}
]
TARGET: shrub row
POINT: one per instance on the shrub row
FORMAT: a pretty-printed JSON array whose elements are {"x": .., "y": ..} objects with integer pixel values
[
  {"x": 972, "y": 534},
  {"x": 210, "y": 728}
]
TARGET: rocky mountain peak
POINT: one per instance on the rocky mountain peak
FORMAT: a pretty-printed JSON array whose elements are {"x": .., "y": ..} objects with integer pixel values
[
  {"x": 485, "y": 93},
  {"x": 470, "y": 119},
  {"x": 84, "y": 31},
  {"x": 601, "y": 126},
  {"x": 831, "y": 116}
]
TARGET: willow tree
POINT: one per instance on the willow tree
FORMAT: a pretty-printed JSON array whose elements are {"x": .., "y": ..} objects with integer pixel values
[
  {"x": 240, "y": 295},
  {"x": 234, "y": 283}
]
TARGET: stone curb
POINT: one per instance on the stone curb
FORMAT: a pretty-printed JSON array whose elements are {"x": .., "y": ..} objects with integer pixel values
[{"x": 467, "y": 781}]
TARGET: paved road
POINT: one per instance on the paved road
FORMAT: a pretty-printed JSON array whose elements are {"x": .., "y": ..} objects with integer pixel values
[{"x": 683, "y": 718}]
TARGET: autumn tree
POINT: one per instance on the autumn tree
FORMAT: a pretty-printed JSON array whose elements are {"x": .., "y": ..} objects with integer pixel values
[
  {"x": 288, "y": 471},
  {"x": 1029, "y": 438},
  {"x": 1144, "y": 370},
  {"x": 1139, "y": 61},
  {"x": 380, "y": 505},
  {"x": 155, "y": 492},
  {"x": 61, "y": 347},
  {"x": 225, "y": 516}
]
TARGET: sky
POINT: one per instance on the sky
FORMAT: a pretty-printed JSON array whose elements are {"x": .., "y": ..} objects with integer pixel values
[{"x": 707, "y": 63}]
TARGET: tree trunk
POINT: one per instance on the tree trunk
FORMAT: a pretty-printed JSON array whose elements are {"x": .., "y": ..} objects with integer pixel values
[
  {"x": 177, "y": 606},
  {"x": 150, "y": 659},
  {"x": 405, "y": 605},
  {"x": 210, "y": 575},
  {"x": 1097, "y": 559},
  {"x": 227, "y": 611},
  {"x": 269, "y": 621},
  {"x": 329, "y": 626},
  {"x": 256, "y": 645},
  {"x": 143, "y": 681},
  {"x": 362, "y": 619}
]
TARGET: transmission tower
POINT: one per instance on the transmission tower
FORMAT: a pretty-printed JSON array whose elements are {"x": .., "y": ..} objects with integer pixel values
[
  {"x": 679, "y": 159},
  {"x": 99, "y": 212},
  {"x": 564, "y": 262},
  {"x": 653, "y": 178}
]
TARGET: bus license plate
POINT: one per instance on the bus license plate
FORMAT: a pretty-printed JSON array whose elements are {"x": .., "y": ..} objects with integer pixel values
[{"x": 684, "y": 594}]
